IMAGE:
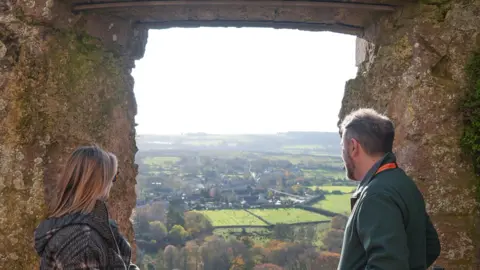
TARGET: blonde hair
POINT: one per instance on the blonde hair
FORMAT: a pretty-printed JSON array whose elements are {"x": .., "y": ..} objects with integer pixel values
[{"x": 87, "y": 177}]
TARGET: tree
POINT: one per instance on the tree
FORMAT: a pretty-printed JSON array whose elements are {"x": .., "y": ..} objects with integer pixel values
[
  {"x": 175, "y": 214},
  {"x": 177, "y": 235},
  {"x": 183, "y": 259},
  {"x": 158, "y": 230},
  {"x": 214, "y": 253},
  {"x": 141, "y": 224},
  {"x": 160, "y": 261},
  {"x": 170, "y": 256},
  {"x": 196, "y": 223},
  {"x": 238, "y": 263},
  {"x": 283, "y": 232},
  {"x": 247, "y": 241},
  {"x": 267, "y": 266},
  {"x": 328, "y": 260}
]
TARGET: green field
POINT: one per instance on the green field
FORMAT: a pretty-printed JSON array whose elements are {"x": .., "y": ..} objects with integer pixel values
[
  {"x": 296, "y": 159},
  {"x": 160, "y": 161},
  {"x": 344, "y": 189},
  {"x": 288, "y": 215},
  {"x": 335, "y": 203},
  {"x": 231, "y": 218},
  {"x": 325, "y": 173}
]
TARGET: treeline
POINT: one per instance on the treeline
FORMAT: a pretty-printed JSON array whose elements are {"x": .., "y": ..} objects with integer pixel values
[
  {"x": 180, "y": 240},
  {"x": 215, "y": 253}
]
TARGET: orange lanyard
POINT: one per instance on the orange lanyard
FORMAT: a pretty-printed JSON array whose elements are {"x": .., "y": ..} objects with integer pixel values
[{"x": 385, "y": 167}]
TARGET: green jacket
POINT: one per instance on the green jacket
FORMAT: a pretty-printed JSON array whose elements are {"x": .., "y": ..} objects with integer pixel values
[{"x": 389, "y": 227}]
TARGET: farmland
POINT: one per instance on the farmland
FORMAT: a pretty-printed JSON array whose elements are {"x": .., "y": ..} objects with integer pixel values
[
  {"x": 221, "y": 218},
  {"x": 231, "y": 218},
  {"x": 160, "y": 160},
  {"x": 288, "y": 215},
  {"x": 343, "y": 189},
  {"x": 335, "y": 203}
]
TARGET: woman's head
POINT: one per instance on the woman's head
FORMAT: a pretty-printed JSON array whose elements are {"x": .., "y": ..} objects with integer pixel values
[{"x": 87, "y": 177}]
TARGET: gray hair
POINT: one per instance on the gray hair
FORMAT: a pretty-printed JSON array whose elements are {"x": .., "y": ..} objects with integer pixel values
[{"x": 374, "y": 131}]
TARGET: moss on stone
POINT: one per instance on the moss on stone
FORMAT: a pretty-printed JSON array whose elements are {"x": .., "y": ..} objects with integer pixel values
[
  {"x": 471, "y": 108},
  {"x": 79, "y": 74}
]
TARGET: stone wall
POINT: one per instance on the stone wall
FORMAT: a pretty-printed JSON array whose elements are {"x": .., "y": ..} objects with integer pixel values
[
  {"x": 414, "y": 71},
  {"x": 64, "y": 81}
]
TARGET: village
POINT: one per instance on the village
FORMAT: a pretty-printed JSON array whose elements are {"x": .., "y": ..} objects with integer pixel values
[{"x": 204, "y": 183}]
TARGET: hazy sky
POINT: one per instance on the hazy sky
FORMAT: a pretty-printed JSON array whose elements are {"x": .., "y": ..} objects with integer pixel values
[{"x": 241, "y": 80}]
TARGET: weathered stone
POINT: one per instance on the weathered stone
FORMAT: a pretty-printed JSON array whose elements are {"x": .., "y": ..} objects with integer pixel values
[
  {"x": 417, "y": 77},
  {"x": 62, "y": 84}
]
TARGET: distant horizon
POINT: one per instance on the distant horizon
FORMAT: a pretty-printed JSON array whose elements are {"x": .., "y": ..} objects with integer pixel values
[{"x": 209, "y": 133}]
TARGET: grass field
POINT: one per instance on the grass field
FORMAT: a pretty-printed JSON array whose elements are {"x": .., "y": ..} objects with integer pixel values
[
  {"x": 231, "y": 218},
  {"x": 160, "y": 161},
  {"x": 335, "y": 203},
  {"x": 344, "y": 189},
  {"x": 325, "y": 173},
  {"x": 288, "y": 215},
  {"x": 295, "y": 159}
]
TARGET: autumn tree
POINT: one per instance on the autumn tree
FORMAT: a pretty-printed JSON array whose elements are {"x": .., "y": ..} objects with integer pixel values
[
  {"x": 170, "y": 255},
  {"x": 158, "y": 231},
  {"x": 214, "y": 253},
  {"x": 175, "y": 214},
  {"x": 177, "y": 235},
  {"x": 238, "y": 263},
  {"x": 267, "y": 266},
  {"x": 196, "y": 223},
  {"x": 333, "y": 239},
  {"x": 140, "y": 223},
  {"x": 328, "y": 260},
  {"x": 160, "y": 261}
]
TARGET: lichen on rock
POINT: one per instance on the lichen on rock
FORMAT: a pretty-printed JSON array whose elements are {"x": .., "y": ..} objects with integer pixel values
[
  {"x": 471, "y": 108},
  {"x": 59, "y": 88},
  {"x": 417, "y": 76}
]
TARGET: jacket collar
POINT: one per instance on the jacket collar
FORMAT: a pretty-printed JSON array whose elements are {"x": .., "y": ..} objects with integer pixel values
[
  {"x": 99, "y": 220},
  {"x": 387, "y": 158}
]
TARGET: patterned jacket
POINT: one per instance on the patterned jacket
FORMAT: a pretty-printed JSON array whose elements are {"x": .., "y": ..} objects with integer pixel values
[{"x": 82, "y": 241}]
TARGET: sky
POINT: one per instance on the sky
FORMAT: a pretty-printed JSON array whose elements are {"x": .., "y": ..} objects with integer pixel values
[{"x": 241, "y": 80}]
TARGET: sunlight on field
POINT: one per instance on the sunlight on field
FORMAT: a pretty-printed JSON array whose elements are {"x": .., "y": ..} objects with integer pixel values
[
  {"x": 288, "y": 215},
  {"x": 231, "y": 218},
  {"x": 323, "y": 173},
  {"x": 344, "y": 189},
  {"x": 335, "y": 203}
]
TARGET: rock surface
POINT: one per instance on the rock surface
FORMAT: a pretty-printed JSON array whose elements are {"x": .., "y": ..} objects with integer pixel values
[
  {"x": 414, "y": 71},
  {"x": 64, "y": 82}
]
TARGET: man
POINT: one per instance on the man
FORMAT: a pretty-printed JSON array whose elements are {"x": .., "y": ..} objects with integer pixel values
[{"x": 388, "y": 228}]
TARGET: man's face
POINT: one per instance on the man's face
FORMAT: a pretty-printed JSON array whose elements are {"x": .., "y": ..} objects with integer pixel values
[{"x": 347, "y": 159}]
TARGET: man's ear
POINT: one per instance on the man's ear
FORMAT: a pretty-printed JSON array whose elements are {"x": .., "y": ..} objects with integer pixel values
[{"x": 354, "y": 148}]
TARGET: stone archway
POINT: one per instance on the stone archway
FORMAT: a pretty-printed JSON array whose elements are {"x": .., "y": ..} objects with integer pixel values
[{"x": 65, "y": 80}]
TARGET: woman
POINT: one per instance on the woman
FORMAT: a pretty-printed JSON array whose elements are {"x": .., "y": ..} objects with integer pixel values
[{"x": 78, "y": 233}]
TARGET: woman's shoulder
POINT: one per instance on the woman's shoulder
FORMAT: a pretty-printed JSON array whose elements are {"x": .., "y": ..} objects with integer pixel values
[{"x": 76, "y": 236}]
